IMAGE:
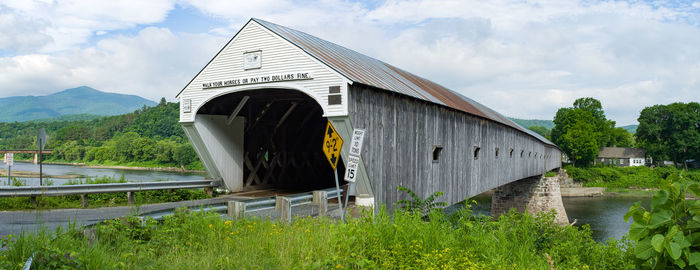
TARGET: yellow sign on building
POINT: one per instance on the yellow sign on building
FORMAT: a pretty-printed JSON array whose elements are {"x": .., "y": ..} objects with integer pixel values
[{"x": 332, "y": 143}]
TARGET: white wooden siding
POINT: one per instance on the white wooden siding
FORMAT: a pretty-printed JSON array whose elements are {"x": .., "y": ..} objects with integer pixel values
[{"x": 278, "y": 57}]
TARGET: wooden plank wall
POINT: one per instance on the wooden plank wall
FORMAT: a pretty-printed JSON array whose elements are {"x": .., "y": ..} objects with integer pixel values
[{"x": 401, "y": 134}]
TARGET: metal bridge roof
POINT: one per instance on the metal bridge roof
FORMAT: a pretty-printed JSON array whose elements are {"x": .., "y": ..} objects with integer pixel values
[{"x": 366, "y": 70}]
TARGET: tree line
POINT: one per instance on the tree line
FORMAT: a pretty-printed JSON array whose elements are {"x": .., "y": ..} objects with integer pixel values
[
  {"x": 666, "y": 132},
  {"x": 150, "y": 135}
]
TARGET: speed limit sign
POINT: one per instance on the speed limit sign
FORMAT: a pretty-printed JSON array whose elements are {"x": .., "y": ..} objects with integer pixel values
[{"x": 351, "y": 168}]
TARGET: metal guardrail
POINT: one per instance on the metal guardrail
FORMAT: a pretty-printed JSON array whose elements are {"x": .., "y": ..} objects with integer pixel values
[
  {"x": 32, "y": 191},
  {"x": 252, "y": 205}
]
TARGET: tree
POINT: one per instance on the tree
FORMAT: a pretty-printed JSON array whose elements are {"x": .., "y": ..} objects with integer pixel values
[
  {"x": 184, "y": 154},
  {"x": 543, "y": 131},
  {"x": 582, "y": 129},
  {"x": 580, "y": 143},
  {"x": 671, "y": 131},
  {"x": 621, "y": 138}
]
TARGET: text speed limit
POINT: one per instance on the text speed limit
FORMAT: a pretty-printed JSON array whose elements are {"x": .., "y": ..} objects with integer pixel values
[{"x": 351, "y": 168}]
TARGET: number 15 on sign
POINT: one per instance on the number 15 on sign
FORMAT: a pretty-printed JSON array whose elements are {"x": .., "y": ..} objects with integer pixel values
[{"x": 351, "y": 170}]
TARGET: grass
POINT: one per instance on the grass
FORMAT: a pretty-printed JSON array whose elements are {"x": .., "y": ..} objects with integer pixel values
[
  {"x": 550, "y": 174},
  {"x": 626, "y": 177},
  {"x": 403, "y": 240},
  {"x": 102, "y": 199},
  {"x": 197, "y": 165}
]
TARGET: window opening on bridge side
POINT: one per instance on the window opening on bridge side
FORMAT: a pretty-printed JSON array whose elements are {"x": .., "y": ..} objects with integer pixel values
[
  {"x": 511, "y": 153},
  {"x": 496, "y": 152},
  {"x": 521, "y": 153},
  {"x": 437, "y": 149},
  {"x": 476, "y": 152}
]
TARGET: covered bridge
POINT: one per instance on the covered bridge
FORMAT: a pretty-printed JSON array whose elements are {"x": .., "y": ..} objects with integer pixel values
[{"x": 256, "y": 115}]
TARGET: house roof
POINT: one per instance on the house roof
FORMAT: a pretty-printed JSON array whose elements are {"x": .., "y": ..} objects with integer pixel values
[
  {"x": 621, "y": 152},
  {"x": 366, "y": 70}
]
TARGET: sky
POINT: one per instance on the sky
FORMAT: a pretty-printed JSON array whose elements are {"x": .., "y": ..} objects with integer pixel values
[{"x": 525, "y": 59}]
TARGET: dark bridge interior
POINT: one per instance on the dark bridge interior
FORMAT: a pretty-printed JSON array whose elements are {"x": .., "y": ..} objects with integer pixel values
[{"x": 284, "y": 131}]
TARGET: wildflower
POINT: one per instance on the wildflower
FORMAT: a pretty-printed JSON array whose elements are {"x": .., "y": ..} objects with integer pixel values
[
  {"x": 338, "y": 266},
  {"x": 210, "y": 226},
  {"x": 228, "y": 222}
]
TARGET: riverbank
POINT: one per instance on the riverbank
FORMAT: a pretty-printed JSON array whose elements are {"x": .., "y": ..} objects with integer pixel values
[
  {"x": 118, "y": 167},
  {"x": 26, "y": 174}
]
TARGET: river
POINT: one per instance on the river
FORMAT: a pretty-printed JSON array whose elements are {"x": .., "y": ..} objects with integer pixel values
[
  {"x": 603, "y": 214},
  {"x": 129, "y": 175}
]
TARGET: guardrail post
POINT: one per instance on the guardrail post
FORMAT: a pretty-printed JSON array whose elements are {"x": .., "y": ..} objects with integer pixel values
[
  {"x": 284, "y": 205},
  {"x": 236, "y": 209},
  {"x": 130, "y": 197},
  {"x": 320, "y": 198},
  {"x": 209, "y": 191},
  {"x": 278, "y": 203},
  {"x": 34, "y": 202},
  {"x": 84, "y": 200}
]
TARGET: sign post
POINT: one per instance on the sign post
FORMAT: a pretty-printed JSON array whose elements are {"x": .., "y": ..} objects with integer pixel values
[
  {"x": 9, "y": 160},
  {"x": 41, "y": 142},
  {"x": 353, "y": 163},
  {"x": 332, "y": 143}
]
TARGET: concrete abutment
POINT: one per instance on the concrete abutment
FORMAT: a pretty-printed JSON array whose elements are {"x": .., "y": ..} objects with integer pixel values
[{"x": 530, "y": 195}]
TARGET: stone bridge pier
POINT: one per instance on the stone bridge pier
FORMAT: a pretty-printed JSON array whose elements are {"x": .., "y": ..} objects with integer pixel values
[{"x": 530, "y": 195}]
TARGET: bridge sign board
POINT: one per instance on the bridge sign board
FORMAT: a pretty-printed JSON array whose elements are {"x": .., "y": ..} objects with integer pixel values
[
  {"x": 358, "y": 136},
  {"x": 351, "y": 170},
  {"x": 9, "y": 159},
  {"x": 41, "y": 139},
  {"x": 332, "y": 143}
]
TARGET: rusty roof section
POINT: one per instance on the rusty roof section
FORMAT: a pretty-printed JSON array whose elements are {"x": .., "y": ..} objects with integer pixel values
[{"x": 366, "y": 70}]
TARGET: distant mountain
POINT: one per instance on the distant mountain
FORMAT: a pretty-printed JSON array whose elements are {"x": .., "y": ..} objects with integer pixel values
[
  {"x": 69, "y": 117},
  {"x": 549, "y": 124},
  {"x": 526, "y": 123},
  {"x": 631, "y": 128},
  {"x": 80, "y": 100}
]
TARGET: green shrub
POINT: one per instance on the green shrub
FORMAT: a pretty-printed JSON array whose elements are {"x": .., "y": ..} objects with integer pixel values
[
  {"x": 18, "y": 182},
  {"x": 668, "y": 235},
  {"x": 626, "y": 177},
  {"x": 422, "y": 206}
]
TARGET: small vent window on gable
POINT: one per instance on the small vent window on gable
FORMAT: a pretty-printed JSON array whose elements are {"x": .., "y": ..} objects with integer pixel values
[
  {"x": 476, "y": 152},
  {"x": 334, "y": 96}
]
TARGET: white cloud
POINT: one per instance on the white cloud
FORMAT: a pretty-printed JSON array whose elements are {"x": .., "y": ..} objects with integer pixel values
[
  {"x": 71, "y": 23},
  {"x": 155, "y": 63},
  {"x": 522, "y": 58}
]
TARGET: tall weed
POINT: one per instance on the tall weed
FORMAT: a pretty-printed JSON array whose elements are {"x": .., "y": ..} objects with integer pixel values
[{"x": 401, "y": 240}]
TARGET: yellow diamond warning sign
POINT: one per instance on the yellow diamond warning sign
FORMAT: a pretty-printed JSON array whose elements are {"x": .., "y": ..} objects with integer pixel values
[{"x": 332, "y": 143}]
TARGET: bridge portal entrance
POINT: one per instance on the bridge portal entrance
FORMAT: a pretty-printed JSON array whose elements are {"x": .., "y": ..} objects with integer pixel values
[{"x": 274, "y": 140}]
